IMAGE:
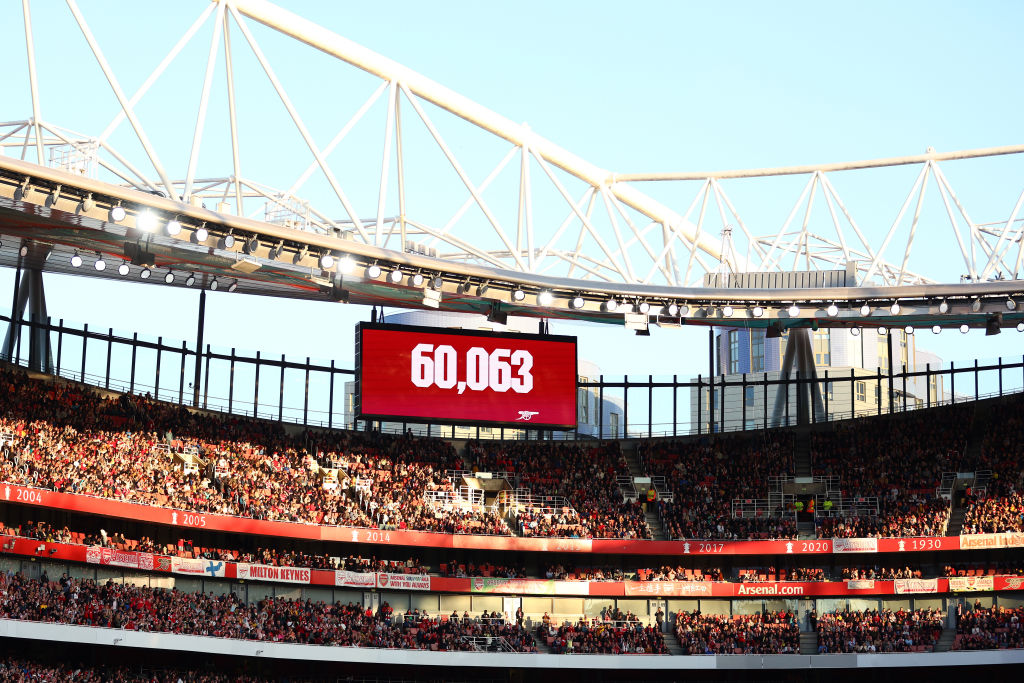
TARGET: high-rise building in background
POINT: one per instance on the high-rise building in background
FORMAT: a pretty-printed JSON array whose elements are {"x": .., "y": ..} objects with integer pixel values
[{"x": 749, "y": 355}]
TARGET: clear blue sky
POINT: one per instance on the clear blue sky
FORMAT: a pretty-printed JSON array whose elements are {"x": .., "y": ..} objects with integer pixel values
[{"x": 648, "y": 86}]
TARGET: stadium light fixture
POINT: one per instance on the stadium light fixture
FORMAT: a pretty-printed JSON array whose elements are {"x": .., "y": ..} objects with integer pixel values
[
  {"x": 610, "y": 306},
  {"x": 233, "y": 286},
  {"x": 1011, "y": 304},
  {"x": 145, "y": 221},
  {"x": 346, "y": 265},
  {"x": 201, "y": 234},
  {"x": 100, "y": 264},
  {"x": 251, "y": 245},
  {"x": 277, "y": 250},
  {"x": 395, "y": 276},
  {"x": 576, "y": 302},
  {"x": 482, "y": 288},
  {"x": 683, "y": 310},
  {"x": 882, "y": 330},
  {"x": 416, "y": 279},
  {"x": 1020, "y": 327},
  {"x": 436, "y": 283},
  {"x": 936, "y": 329},
  {"x": 214, "y": 285},
  {"x": 227, "y": 241},
  {"x": 326, "y": 260},
  {"x": 727, "y": 311},
  {"x": 169, "y": 278},
  {"x": 909, "y": 329},
  {"x": 895, "y": 308},
  {"x": 672, "y": 309},
  {"x": 54, "y": 196},
  {"x": 518, "y": 294},
  {"x": 173, "y": 226},
  {"x": 865, "y": 310},
  {"x": 964, "y": 329},
  {"x": 88, "y": 203},
  {"x": 976, "y": 305},
  {"x": 373, "y": 271},
  {"x": 855, "y": 331},
  {"x": 145, "y": 273},
  {"x": 644, "y": 307},
  {"x": 943, "y": 306},
  {"x": 757, "y": 311},
  {"x": 793, "y": 310},
  {"x": 123, "y": 269},
  {"x": 76, "y": 260},
  {"x": 832, "y": 310},
  {"x": 545, "y": 297},
  {"x": 22, "y": 192},
  {"x": 463, "y": 287},
  {"x": 190, "y": 280},
  {"x": 117, "y": 214}
]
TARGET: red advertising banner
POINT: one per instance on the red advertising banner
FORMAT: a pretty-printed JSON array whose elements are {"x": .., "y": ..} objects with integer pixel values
[{"x": 422, "y": 373}]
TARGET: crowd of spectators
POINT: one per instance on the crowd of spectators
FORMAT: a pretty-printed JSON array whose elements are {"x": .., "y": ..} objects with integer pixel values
[
  {"x": 679, "y": 573},
  {"x": 992, "y": 628},
  {"x": 22, "y": 670},
  {"x": 572, "y": 488},
  {"x": 746, "y": 634},
  {"x": 785, "y": 574},
  {"x": 284, "y": 620},
  {"x": 884, "y": 630},
  {"x": 897, "y": 459},
  {"x": 706, "y": 475},
  {"x": 486, "y": 569},
  {"x": 615, "y": 633},
  {"x": 880, "y": 573}
]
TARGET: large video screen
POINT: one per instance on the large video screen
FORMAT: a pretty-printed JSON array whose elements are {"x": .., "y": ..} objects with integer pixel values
[{"x": 421, "y": 374}]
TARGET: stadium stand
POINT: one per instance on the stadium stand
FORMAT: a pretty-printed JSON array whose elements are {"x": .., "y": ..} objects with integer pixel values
[
  {"x": 871, "y": 631},
  {"x": 993, "y": 628},
  {"x": 767, "y": 633}
]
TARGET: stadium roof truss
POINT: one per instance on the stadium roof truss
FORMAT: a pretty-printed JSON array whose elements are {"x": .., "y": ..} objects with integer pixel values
[{"x": 534, "y": 217}]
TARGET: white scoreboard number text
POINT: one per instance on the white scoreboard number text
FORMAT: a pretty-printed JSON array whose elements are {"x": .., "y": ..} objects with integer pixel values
[{"x": 499, "y": 370}]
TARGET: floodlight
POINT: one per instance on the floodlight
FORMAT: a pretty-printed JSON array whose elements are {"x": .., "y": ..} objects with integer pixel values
[
  {"x": 169, "y": 278},
  {"x": 251, "y": 245},
  {"x": 214, "y": 285},
  {"x": 672, "y": 309},
  {"x": 576, "y": 302},
  {"x": 757, "y": 311},
  {"x": 436, "y": 283},
  {"x": 118, "y": 213},
  {"x": 895, "y": 308},
  {"x": 943, "y": 306},
  {"x": 227, "y": 241},
  {"x": 882, "y": 331},
  {"x": 545, "y": 297},
  {"x": 794, "y": 310},
  {"x": 610, "y": 305},
  {"x": 278, "y": 249},
  {"x": 88, "y": 204},
  {"x": 727, "y": 311},
  {"x": 855, "y": 331},
  {"x": 643, "y": 307},
  {"x": 201, "y": 234},
  {"x": 964, "y": 328},
  {"x": 144, "y": 220},
  {"x": 832, "y": 310},
  {"x": 100, "y": 264},
  {"x": 395, "y": 276},
  {"x": 865, "y": 310},
  {"x": 346, "y": 265},
  {"x": 909, "y": 329},
  {"x": 173, "y": 227},
  {"x": 1020, "y": 327},
  {"x": 76, "y": 260},
  {"x": 233, "y": 286},
  {"x": 976, "y": 305},
  {"x": 936, "y": 329},
  {"x": 326, "y": 260},
  {"x": 518, "y": 294},
  {"x": 1011, "y": 304},
  {"x": 373, "y": 272},
  {"x": 145, "y": 273},
  {"x": 123, "y": 269},
  {"x": 190, "y": 280},
  {"x": 416, "y": 279}
]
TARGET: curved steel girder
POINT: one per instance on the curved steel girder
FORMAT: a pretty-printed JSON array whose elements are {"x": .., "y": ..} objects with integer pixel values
[{"x": 346, "y": 50}]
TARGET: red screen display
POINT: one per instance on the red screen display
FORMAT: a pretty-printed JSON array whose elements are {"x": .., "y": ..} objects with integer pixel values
[{"x": 466, "y": 377}]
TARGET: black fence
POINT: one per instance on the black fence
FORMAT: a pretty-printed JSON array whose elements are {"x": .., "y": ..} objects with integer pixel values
[{"x": 319, "y": 394}]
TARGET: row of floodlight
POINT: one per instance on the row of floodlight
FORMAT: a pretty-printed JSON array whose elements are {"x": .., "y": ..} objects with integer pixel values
[{"x": 100, "y": 264}]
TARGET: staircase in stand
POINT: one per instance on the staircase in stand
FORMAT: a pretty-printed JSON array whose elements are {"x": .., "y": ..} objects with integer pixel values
[
  {"x": 945, "y": 642},
  {"x": 629, "y": 454},
  {"x": 672, "y": 644},
  {"x": 656, "y": 527},
  {"x": 956, "y": 521},
  {"x": 809, "y": 643},
  {"x": 653, "y": 521},
  {"x": 802, "y": 453}
]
